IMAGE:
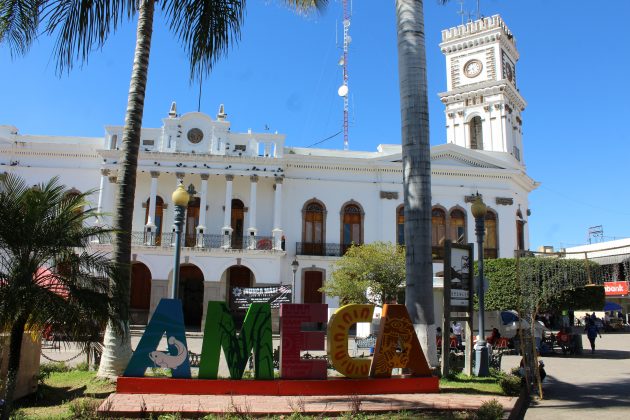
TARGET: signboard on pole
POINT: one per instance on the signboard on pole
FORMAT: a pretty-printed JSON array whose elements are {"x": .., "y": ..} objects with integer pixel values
[
  {"x": 274, "y": 295},
  {"x": 458, "y": 297}
]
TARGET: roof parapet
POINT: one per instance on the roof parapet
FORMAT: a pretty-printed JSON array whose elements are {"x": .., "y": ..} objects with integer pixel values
[{"x": 477, "y": 26}]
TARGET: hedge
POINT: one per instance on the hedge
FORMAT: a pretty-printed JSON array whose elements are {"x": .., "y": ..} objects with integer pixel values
[{"x": 555, "y": 284}]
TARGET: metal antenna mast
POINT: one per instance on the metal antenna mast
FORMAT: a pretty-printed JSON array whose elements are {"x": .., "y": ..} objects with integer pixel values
[
  {"x": 461, "y": 11},
  {"x": 343, "y": 89}
]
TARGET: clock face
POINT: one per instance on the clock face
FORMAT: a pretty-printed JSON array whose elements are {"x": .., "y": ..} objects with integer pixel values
[
  {"x": 194, "y": 135},
  {"x": 473, "y": 68}
]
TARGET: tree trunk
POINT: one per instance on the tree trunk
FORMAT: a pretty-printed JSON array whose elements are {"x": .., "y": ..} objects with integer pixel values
[
  {"x": 117, "y": 349},
  {"x": 416, "y": 154},
  {"x": 15, "y": 350}
]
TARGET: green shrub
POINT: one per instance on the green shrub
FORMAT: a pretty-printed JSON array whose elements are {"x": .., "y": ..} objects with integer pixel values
[
  {"x": 490, "y": 410},
  {"x": 83, "y": 408},
  {"x": 83, "y": 366},
  {"x": 45, "y": 369},
  {"x": 511, "y": 385}
]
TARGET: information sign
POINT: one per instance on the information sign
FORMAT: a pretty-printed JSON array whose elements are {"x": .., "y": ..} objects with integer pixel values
[{"x": 274, "y": 295}]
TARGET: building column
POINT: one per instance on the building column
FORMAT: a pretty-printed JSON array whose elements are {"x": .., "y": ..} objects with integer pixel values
[
  {"x": 201, "y": 227},
  {"x": 149, "y": 228},
  {"x": 227, "y": 215},
  {"x": 277, "y": 215},
  {"x": 102, "y": 195},
  {"x": 179, "y": 179},
  {"x": 252, "y": 230}
]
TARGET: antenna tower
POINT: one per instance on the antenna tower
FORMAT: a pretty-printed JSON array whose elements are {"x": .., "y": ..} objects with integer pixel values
[
  {"x": 596, "y": 233},
  {"x": 343, "y": 89}
]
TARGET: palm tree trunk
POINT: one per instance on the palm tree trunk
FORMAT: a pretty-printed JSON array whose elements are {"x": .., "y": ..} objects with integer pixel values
[
  {"x": 15, "y": 350},
  {"x": 416, "y": 154},
  {"x": 117, "y": 351}
]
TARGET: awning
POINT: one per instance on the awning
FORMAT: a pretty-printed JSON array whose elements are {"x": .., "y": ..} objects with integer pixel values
[{"x": 612, "y": 306}]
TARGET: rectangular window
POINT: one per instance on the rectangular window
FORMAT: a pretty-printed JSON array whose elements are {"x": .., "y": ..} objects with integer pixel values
[{"x": 148, "y": 142}]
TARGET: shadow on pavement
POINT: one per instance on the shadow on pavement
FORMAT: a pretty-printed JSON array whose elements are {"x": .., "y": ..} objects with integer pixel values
[
  {"x": 595, "y": 395},
  {"x": 586, "y": 354}
]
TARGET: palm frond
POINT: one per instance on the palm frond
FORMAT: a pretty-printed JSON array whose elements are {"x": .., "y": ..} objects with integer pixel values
[
  {"x": 19, "y": 20},
  {"x": 82, "y": 26},
  {"x": 205, "y": 29}
]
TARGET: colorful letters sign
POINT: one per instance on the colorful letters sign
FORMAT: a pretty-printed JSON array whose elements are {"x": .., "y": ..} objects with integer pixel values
[
  {"x": 397, "y": 345},
  {"x": 293, "y": 340},
  {"x": 221, "y": 333},
  {"x": 338, "y": 327}
]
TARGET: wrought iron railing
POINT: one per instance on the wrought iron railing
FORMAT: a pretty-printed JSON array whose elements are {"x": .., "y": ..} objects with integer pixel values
[
  {"x": 204, "y": 241},
  {"x": 320, "y": 249}
]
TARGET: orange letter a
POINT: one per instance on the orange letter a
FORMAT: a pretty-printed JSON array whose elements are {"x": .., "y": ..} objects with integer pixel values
[{"x": 397, "y": 345}]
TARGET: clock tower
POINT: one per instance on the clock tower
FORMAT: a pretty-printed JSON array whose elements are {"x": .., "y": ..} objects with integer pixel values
[{"x": 483, "y": 103}]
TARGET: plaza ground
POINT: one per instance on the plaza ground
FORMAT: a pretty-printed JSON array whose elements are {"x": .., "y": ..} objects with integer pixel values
[{"x": 577, "y": 387}]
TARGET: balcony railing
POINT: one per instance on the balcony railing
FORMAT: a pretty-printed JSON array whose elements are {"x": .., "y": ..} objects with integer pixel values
[
  {"x": 205, "y": 241},
  {"x": 320, "y": 249}
]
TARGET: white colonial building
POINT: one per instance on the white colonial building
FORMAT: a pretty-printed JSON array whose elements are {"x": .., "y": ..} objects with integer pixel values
[{"x": 259, "y": 203}]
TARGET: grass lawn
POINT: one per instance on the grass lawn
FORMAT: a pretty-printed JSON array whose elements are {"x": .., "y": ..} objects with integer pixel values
[
  {"x": 471, "y": 385},
  {"x": 65, "y": 395},
  {"x": 75, "y": 394}
]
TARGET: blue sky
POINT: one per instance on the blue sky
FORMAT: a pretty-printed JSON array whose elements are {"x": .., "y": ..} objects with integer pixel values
[{"x": 284, "y": 74}]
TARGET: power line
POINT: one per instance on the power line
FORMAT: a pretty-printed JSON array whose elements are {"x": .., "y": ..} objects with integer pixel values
[{"x": 327, "y": 138}]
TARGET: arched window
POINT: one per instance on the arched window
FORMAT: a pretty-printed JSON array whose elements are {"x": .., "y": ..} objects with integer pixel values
[
  {"x": 490, "y": 248},
  {"x": 159, "y": 211},
  {"x": 476, "y": 135},
  {"x": 438, "y": 232},
  {"x": 113, "y": 141},
  {"x": 313, "y": 228},
  {"x": 351, "y": 226},
  {"x": 458, "y": 227},
  {"x": 400, "y": 225},
  {"x": 520, "y": 231}
]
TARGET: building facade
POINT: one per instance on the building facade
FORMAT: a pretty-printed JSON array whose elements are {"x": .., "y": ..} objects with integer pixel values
[{"x": 259, "y": 204}]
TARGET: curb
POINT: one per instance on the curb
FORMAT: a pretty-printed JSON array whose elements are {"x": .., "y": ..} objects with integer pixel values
[{"x": 521, "y": 405}]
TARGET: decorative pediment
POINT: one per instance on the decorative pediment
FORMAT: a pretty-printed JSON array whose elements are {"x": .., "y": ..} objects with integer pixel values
[{"x": 451, "y": 159}]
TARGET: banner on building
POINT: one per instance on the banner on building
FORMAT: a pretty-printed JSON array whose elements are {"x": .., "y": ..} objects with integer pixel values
[
  {"x": 616, "y": 288},
  {"x": 242, "y": 297}
]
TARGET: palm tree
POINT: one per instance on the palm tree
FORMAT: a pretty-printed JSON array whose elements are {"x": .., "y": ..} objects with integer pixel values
[
  {"x": 205, "y": 28},
  {"x": 48, "y": 275},
  {"x": 416, "y": 154}
]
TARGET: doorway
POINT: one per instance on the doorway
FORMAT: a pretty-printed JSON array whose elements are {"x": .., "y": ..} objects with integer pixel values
[
  {"x": 238, "y": 218},
  {"x": 191, "y": 295},
  {"x": 313, "y": 281},
  {"x": 238, "y": 277},
  {"x": 140, "y": 293}
]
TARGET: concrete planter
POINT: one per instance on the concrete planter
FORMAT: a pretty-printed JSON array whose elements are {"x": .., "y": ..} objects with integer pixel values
[{"x": 29, "y": 364}]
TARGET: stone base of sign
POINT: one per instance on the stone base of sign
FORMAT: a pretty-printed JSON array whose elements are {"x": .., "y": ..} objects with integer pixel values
[
  {"x": 278, "y": 387},
  {"x": 196, "y": 406}
]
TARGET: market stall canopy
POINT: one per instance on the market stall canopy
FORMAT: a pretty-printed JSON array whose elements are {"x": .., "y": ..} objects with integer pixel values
[{"x": 612, "y": 306}]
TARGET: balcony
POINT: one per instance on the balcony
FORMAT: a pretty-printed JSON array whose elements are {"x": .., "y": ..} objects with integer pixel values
[
  {"x": 320, "y": 249},
  {"x": 200, "y": 242}
]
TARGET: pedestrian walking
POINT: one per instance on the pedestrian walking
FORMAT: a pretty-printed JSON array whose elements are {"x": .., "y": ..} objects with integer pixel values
[
  {"x": 457, "y": 330},
  {"x": 592, "y": 331}
]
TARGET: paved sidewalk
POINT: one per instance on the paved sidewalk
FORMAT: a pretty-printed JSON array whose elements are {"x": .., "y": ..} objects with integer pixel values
[
  {"x": 588, "y": 386},
  {"x": 136, "y": 404}
]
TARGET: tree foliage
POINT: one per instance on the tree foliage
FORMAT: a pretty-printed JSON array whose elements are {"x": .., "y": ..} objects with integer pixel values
[
  {"x": 371, "y": 273},
  {"x": 529, "y": 283},
  {"x": 49, "y": 277}
]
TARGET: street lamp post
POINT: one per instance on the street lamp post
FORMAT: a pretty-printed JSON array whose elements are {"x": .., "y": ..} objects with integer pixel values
[
  {"x": 481, "y": 349},
  {"x": 180, "y": 199},
  {"x": 294, "y": 266}
]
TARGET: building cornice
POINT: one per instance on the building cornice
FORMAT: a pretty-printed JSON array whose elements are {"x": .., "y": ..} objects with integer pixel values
[{"x": 486, "y": 88}]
